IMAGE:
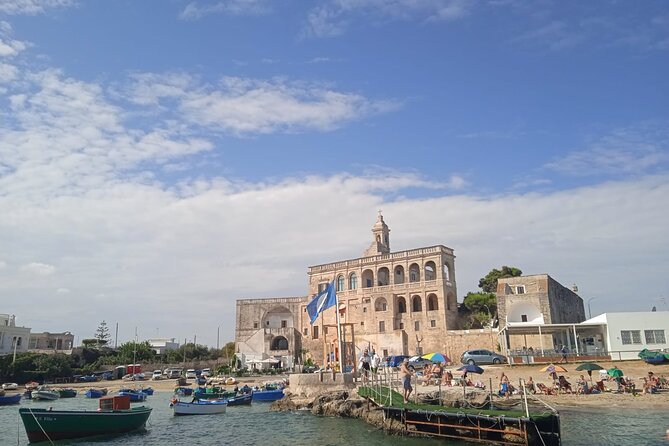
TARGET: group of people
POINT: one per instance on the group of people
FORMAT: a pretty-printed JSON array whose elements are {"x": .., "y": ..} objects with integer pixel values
[{"x": 369, "y": 365}]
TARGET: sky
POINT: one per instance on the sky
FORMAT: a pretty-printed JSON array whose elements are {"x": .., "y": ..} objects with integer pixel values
[{"x": 161, "y": 159}]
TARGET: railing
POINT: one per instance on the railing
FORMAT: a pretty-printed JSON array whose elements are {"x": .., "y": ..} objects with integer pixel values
[{"x": 381, "y": 257}]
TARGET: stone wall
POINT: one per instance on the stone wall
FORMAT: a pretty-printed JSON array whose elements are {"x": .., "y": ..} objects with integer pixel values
[
  {"x": 311, "y": 384},
  {"x": 456, "y": 342},
  {"x": 566, "y": 306}
]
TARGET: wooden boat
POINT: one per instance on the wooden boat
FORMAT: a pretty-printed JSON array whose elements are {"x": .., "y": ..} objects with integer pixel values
[
  {"x": 267, "y": 395},
  {"x": 652, "y": 357},
  {"x": 134, "y": 395},
  {"x": 113, "y": 417},
  {"x": 147, "y": 390},
  {"x": 67, "y": 393},
  {"x": 212, "y": 393},
  {"x": 44, "y": 393},
  {"x": 10, "y": 399},
  {"x": 10, "y": 386},
  {"x": 183, "y": 391},
  {"x": 32, "y": 385},
  {"x": 199, "y": 407},
  {"x": 240, "y": 400},
  {"x": 96, "y": 393}
]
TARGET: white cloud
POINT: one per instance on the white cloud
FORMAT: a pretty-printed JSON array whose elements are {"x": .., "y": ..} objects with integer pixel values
[
  {"x": 32, "y": 7},
  {"x": 333, "y": 17},
  {"x": 39, "y": 269},
  {"x": 197, "y": 10},
  {"x": 62, "y": 291},
  {"x": 634, "y": 150},
  {"x": 8, "y": 73},
  {"x": 8, "y": 46}
]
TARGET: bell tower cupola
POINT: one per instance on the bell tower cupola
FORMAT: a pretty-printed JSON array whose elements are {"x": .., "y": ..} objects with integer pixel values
[{"x": 381, "y": 243}]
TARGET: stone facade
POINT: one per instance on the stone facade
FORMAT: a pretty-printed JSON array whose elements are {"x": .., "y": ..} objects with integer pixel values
[
  {"x": 397, "y": 303},
  {"x": 537, "y": 299},
  {"x": 51, "y": 342},
  {"x": 12, "y": 337}
]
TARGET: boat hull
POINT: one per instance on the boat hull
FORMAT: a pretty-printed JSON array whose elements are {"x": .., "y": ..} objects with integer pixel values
[
  {"x": 240, "y": 400},
  {"x": 199, "y": 407},
  {"x": 45, "y": 395},
  {"x": 44, "y": 424},
  {"x": 67, "y": 393},
  {"x": 12, "y": 399},
  {"x": 267, "y": 395},
  {"x": 94, "y": 393}
]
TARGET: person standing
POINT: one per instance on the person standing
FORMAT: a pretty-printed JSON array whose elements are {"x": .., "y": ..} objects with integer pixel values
[
  {"x": 365, "y": 366},
  {"x": 405, "y": 374},
  {"x": 376, "y": 362}
]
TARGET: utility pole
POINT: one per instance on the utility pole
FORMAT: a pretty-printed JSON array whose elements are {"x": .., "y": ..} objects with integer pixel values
[
  {"x": 116, "y": 338},
  {"x": 218, "y": 337}
]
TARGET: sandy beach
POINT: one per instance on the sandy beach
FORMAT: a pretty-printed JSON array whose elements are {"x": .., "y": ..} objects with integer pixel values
[{"x": 635, "y": 370}]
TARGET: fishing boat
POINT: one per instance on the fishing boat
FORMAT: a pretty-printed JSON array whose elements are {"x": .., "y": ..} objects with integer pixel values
[
  {"x": 67, "y": 393},
  {"x": 652, "y": 357},
  {"x": 212, "y": 393},
  {"x": 44, "y": 393},
  {"x": 199, "y": 407},
  {"x": 267, "y": 395},
  {"x": 147, "y": 390},
  {"x": 96, "y": 393},
  {"x": 114, "y": 416},
  {"x": 240, "y": 400},
  {"x": 134, "y": 395},
  {"x": 183, "y": 391},
  {"x": 10, "y": 399}
]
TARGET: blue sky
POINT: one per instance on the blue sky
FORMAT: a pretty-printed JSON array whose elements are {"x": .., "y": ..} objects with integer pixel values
[{"x": 180, "y": 155}]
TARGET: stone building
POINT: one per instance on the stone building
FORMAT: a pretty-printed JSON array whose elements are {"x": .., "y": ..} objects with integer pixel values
[
  {"x": 537, "y": 300},
  {"x": 51, "y": 342},
  {"x": 396, "y": 302},
  {"x": 12, "y": 337}
]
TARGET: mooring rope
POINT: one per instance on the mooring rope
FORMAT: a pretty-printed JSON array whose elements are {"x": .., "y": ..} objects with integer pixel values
[{"x": 40, "y": 426}]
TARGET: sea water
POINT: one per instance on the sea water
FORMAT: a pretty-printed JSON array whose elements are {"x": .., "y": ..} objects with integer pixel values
[{"x": 255, "y": 425}]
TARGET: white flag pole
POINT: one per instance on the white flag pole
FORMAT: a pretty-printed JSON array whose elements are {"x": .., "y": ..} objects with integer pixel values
[{"x": 341, "y": 350}]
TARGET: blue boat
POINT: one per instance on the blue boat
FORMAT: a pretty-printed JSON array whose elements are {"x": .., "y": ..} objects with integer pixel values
[
  {"x": 11, "y": 399},
  {"x": 135, "y": 396},
  {"x": 267, "y": 395},
  {"x": 147, "y": 390},
  {"x": 240, "y": 400},
  {"x": 95, "y": 393},
  {"x": 183, "y": 391}
]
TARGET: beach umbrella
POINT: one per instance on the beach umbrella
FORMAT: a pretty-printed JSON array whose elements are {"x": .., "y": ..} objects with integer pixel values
[
  {"x": 615, "y": 372},
  {"x": 552, "y": 368},
  {"x": 436, "y": 357},
  {"x": 471, "y": 368},
  {"x": 589, "y": 367}
]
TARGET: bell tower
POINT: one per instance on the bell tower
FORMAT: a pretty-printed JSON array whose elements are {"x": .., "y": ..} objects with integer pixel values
[{"x": 381, "y": 243}]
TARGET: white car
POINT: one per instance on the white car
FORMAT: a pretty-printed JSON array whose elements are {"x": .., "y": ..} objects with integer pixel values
[
  {"x": 206, "y": 373},
  {"x": 190, "y": 374},
  {"x": 157, "y": 374}
]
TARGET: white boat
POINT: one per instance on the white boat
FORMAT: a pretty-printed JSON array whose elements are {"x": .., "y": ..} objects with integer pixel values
[
  {"x": 199, "y": 407},
  {"x": 10, "y": 386},
  {"x": 44, "y": 393}
]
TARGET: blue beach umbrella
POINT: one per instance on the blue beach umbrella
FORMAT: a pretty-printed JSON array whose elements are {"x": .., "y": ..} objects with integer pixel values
[{"x": 471, "y": 368}]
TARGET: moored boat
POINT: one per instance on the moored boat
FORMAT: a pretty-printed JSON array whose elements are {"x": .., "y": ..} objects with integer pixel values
[
  {"x": 10, "y": 399},
  {"x": 10, "y": 386},
  {"x": 113, "y": 417},
  {"x": 96, "y": 393},
  {"x": 44, "y": 393},
  {"x": 240, "y": 400},
  {"x": 183, "y": 391},
  {"x": 199, "y": 407},
  {"x": 134, "y": 395},
  {"x": 147, "y": 390},
  {"x": 212, "y": 393},
  {"x": 652, "y": 357},
  {"x": 267, "y": 395},
  {"x": 67, "y": 393}
]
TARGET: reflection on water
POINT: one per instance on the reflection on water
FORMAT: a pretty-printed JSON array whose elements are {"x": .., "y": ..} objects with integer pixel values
[{"x": 255, "y": 426}]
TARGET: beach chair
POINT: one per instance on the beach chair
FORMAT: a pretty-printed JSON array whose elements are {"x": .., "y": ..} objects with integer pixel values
[{"x": 544, "y": 389}]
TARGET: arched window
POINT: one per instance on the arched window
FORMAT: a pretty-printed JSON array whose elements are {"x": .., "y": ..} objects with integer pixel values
[
  {"x": 447, "y": 271},
  {"x": 353, "y": 282},
  {"x": 451, "y": 302},
  {"x": 414, "y": 273},
  {"x": 432, "y": 303},
  {"x": 416, "y": 304},
  {"x": 340, "y": 283},
  {"x": 383, "y": 276},
  {"x": 430, "y": 271},
  {"x": 279, "y": 343},
  {"x": 367, "y": 278},
  {"x": 401, "y": 305},
  {"x": 380, "y": 304},
  {"x": 399, "y": 274}
]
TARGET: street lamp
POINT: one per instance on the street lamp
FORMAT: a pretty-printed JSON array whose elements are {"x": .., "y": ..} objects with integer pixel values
[{"x": 590, "y": 312}]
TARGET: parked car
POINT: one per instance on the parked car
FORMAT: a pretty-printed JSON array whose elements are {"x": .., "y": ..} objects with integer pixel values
[
  {"x": 190, "y": 374},
  {"x": 206, "y": 373},
  {"x": 418, "y": 363},
  {"x": 482, "y": 356},
  {"x": 157, "y": 374},
  {"x": 395, "y": 360},
  {"x": 171, "y": 373}
]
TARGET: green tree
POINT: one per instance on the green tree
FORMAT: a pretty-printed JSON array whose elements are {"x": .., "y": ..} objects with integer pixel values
[
  {"x": 482, "y": 307},
  {"x": 489, "y": 283},
  {"x": 102, "y": 334},
  {"x": 137, "y": 351}
]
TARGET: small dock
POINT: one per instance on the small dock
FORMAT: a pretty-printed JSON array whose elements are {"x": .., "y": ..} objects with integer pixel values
[{"x": 486, "y": 426}]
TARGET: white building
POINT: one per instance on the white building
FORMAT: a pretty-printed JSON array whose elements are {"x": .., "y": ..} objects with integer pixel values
[
  {"x": 629, "y": 333},
  {"x": 12, "y": 336},
  {"x": 162, "y": 345}
]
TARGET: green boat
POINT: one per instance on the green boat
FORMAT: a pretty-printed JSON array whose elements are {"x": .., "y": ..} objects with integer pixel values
[
  {"x": 114, "y": 417},
  {"x": 67, "y": 393}
]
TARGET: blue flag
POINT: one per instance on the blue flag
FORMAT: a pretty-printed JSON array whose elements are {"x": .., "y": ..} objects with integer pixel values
[{"x": 323, "y": 300}]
